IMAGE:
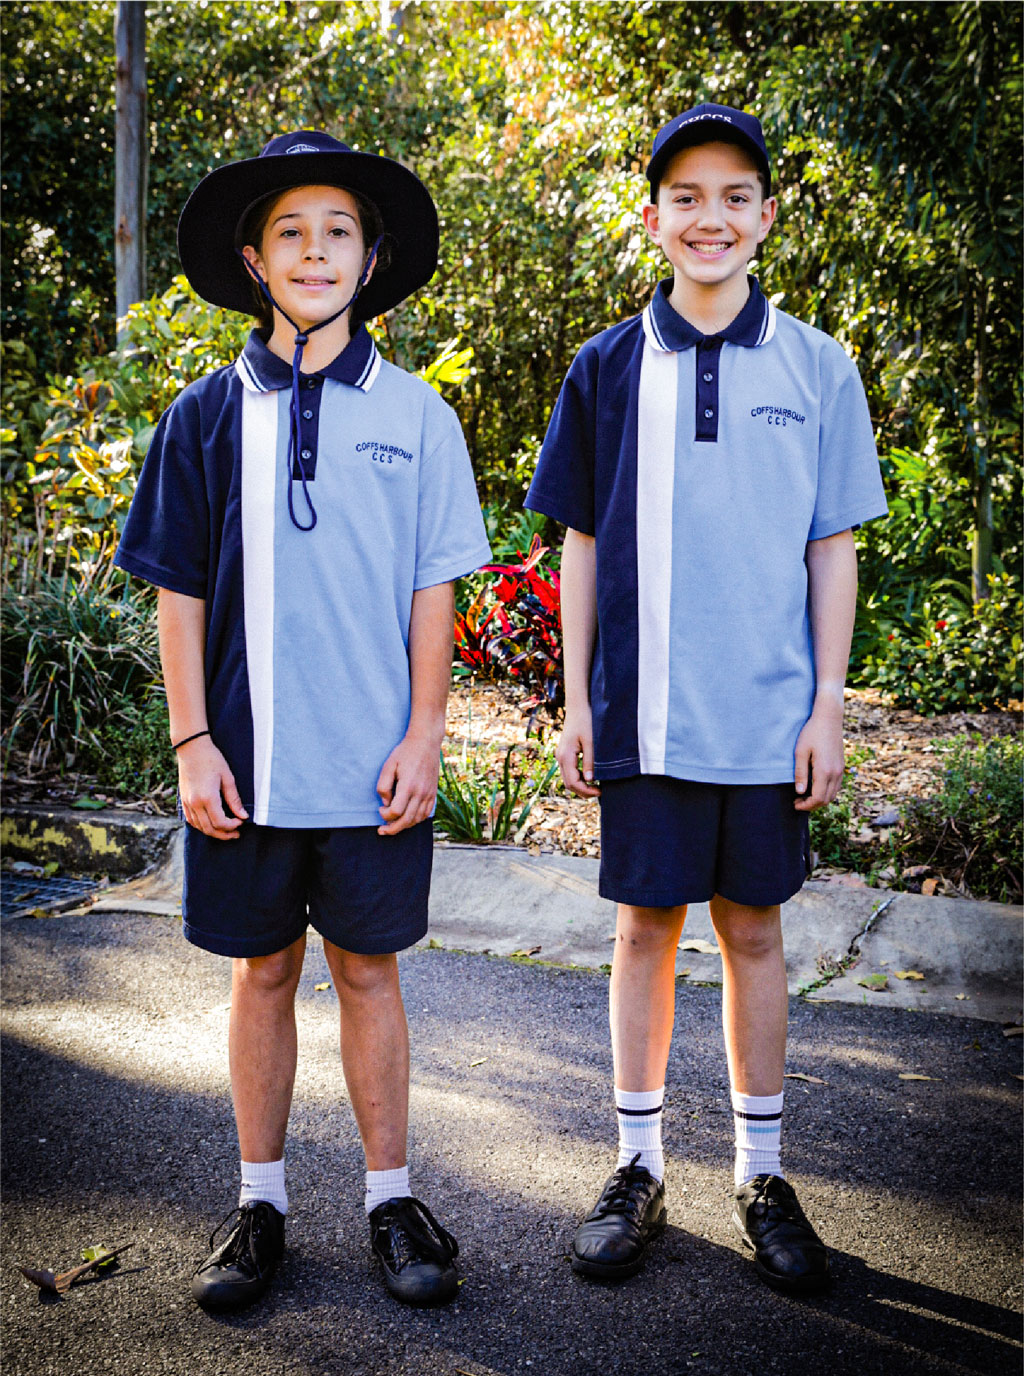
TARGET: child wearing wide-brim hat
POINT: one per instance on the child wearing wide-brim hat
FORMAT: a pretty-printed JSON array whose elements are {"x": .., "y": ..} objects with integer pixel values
[{"x": 304, "y": 512}]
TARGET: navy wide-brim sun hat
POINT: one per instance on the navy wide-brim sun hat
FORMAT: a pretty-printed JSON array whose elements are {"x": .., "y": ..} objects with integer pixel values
[{"x": 210, "y": 220}]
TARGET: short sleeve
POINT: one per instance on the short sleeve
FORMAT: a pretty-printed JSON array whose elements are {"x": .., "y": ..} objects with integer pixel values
[
  {"x": 451, "y": 540},
  {"x": 166, "y": 534},
  {"x": 849, "y": 481},
  {"x": 563, "y": 483}
]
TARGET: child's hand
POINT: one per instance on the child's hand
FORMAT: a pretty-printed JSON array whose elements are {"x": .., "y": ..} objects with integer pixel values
[
  {"x": 575, "y": 754},
  {"x": 205, "y": 784},
  {"x": 408, "y": 784},
  {"x": 819, "y": 760}
]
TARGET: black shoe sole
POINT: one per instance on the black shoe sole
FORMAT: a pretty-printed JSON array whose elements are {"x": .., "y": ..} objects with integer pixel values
[
  {"x": 801, "y": 1285},
  {"x": 231, "y": 1300},
  {"x": 603, "y": 1270},
  {"x": 443, "y": 1292}
]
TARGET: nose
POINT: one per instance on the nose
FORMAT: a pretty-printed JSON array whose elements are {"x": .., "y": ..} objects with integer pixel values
[
  {"x": 315, "y": 249},
  {"x": 711, "y": 216}
]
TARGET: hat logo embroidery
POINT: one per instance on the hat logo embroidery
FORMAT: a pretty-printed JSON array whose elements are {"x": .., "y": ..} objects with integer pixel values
[{"x": 303, "y": 148}]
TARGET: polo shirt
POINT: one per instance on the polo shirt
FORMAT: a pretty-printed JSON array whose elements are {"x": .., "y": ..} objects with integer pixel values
[
  {"x": 703, "y": 465},
  {"x": 307, "y": 631}
]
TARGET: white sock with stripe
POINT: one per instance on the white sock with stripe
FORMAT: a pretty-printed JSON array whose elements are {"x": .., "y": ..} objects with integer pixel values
[
  {"x": 381, "y": 1185},
  {"x": 264, "y": 1180},
  {"x": 758, "y": 1120},
  {"x": 639, "y": 1117}
]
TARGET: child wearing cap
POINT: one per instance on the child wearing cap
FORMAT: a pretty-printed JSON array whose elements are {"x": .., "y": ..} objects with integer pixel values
[
  {"x": 304, "y": 513},
  {"x": 710, "y": 459}
]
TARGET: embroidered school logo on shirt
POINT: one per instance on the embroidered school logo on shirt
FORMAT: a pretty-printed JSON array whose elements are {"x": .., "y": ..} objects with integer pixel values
[
  {"x": 777, "y": 415},
  {"x": 380, "y": 452}
]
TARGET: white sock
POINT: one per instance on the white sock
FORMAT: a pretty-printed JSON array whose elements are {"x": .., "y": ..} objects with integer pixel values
[
  {"x": 758, "y": 1121},
  {"x": 639, "y": 1117},
  {"x": 264, "y": 1180},
  {"x": 381, "y": 1185}
]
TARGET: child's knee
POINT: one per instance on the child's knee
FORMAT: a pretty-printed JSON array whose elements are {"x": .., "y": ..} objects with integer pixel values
[
  {"x": 746, "y": 931},
  {"x": 361, "y": 976},
  {"x": 274, "y": 974}
]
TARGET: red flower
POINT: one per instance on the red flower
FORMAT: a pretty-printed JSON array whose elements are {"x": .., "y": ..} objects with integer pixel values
[
  {"x": 941, "y": 625},
  {"x": 892, "y": 636}
]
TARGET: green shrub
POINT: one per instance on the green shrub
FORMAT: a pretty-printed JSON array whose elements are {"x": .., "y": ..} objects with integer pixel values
[
  {"x": 79, "y": 651},
  {"x": 477, "y": 803},
  {"x": 830, "y": 831},
  {"x": 971, "y": 830},
  {"x": 954, "y": 659},
  {"x": 132, "y": 753}
]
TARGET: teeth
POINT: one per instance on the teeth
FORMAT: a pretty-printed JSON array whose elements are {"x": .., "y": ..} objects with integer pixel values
[{"x": 709, "y": 250}]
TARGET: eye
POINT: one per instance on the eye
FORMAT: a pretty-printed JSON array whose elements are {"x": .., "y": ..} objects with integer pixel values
[{"x": 339, "y": 232}]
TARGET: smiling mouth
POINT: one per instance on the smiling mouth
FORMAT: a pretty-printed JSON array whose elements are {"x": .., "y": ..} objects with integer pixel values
[
  {"x": 710, "y": 250},
  {"x": 313, "y": 281}
]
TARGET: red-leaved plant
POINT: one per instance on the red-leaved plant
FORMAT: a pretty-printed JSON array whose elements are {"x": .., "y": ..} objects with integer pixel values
[{"x": 512, "y": 630}]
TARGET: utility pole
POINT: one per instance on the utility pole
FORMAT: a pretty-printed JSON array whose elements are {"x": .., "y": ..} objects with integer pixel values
[{"x": 132, "y": 154}]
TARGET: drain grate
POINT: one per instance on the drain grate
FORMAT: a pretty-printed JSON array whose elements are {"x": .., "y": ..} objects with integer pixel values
[{"x": 21, "y": 893}]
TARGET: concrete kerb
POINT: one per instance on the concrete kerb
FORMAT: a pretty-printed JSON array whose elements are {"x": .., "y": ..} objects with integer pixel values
[{"x": 504, "y": 901}]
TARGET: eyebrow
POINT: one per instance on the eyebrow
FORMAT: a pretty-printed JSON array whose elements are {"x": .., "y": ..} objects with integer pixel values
[
  {"x": 296, "y": 214},
  {"x": 696, "y": 186}
]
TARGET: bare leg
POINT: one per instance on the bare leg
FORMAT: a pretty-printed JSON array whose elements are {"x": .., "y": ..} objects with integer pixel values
[
  {"x": 374, "y": 1052},
  {"x": 262, "y": 1049},
  {"x": 755, "y": 1001},
  {"x": 642, "y": 996}
]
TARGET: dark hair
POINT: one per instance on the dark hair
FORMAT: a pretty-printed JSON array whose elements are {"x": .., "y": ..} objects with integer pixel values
[
  {"x": 253, "y": 224},
  {"x": 761, "y": 177}
]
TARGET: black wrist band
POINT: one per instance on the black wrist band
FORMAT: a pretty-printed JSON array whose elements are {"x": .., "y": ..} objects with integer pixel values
[{"x": 189, "y": 738}]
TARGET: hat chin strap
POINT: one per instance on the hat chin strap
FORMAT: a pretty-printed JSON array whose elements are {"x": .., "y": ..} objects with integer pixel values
[{"x": 301, "y": 340}]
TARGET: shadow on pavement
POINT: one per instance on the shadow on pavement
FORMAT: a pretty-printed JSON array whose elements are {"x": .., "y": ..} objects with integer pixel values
[{"x": 117, "y": 1124}]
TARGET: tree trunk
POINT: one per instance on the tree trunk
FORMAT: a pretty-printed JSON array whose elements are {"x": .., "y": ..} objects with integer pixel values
[
  {"x": 132, "y": 155},
  {"x": 981, "y": 547}
]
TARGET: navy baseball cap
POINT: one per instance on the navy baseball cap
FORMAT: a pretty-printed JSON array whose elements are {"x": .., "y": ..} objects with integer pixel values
[
  {"x": 212, "y": 218},
  {"x": 708, "y": 124}
]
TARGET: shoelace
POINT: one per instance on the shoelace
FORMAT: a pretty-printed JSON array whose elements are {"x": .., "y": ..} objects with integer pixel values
[
  {"x": 301, "y": 340},
  {"x": 773, "y": 1192},
  {"x": 416, "y": 1233},
  {"x": 619, "y": 1196},
  {"x": 239, "y": 1247}
]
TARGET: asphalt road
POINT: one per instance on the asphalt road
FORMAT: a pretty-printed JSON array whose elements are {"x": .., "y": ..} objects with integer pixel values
[{"x": 117, "y": 1124}]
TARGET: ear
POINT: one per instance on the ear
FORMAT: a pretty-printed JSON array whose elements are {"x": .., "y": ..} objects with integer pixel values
[
  {"x": 371, "y": 264},
  {"x": 254, "y": 260},
  {"x": 769, "y": 209},
  {"x": 652, "y": 222}
]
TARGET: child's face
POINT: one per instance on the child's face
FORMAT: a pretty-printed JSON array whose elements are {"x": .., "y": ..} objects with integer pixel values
[
  {"x": 312, "y": 252},
  {"x": 710, "y": 216}
]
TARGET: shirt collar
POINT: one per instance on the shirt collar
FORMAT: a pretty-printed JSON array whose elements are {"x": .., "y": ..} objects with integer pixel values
[
  {"x": 668, "y": 331},
  {"x": 262, "y": 371}
]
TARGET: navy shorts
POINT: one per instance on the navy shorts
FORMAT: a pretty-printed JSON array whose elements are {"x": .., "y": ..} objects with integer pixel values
[
  {"x": 669, "y": 841},
  {"x": 364, "y": 892}
]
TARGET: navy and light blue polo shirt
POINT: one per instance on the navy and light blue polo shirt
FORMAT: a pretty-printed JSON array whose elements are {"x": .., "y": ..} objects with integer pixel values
[
  {"x": 703, "y": 466},
  {"x": 307, "y": 632}
]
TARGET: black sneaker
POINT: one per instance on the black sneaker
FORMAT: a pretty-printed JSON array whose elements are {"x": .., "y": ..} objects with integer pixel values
[
  {"x": 610, "y": 1242},
  {"x": 240, "y": 1270},
  {"x": 788, "y": 1253},
  {"x": 415, "y": 1252}
]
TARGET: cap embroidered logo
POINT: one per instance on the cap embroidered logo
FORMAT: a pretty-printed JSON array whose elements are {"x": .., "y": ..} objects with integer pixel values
[{"x": 303, "y": 148}]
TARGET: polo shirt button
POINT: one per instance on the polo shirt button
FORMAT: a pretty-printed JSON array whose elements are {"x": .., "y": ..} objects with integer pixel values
[
  {"x": 307, "y": 453},
  {"x": 307, "y": 415},
  {"x": 311, "y": 382},
  {"x": 709, "y": 377},
  {"x": 708, "y": 413}
]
